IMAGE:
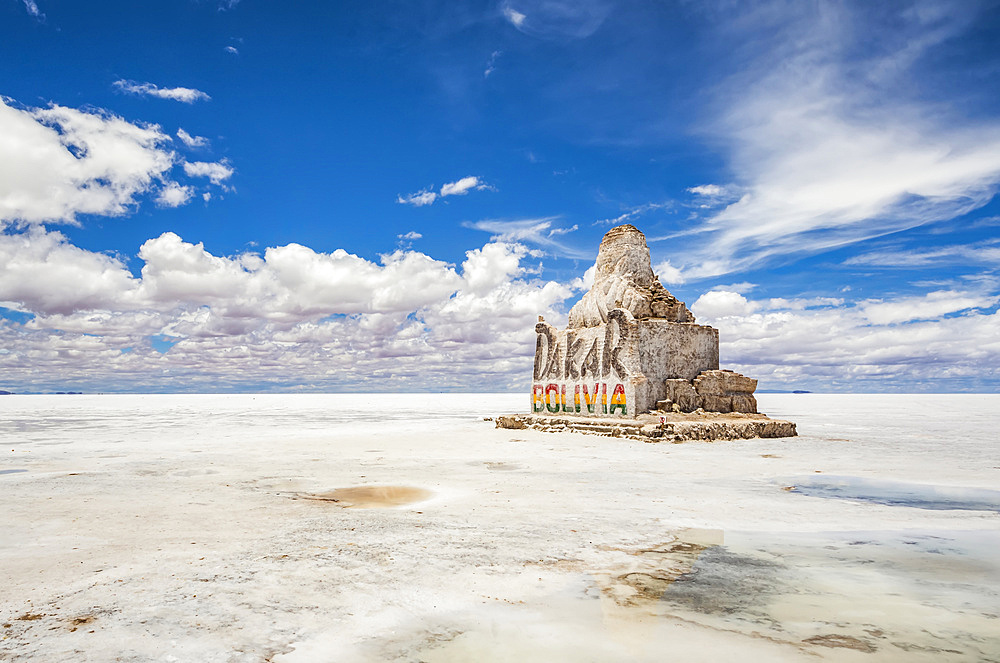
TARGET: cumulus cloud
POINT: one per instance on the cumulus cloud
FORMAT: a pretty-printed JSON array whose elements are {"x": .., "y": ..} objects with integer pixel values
[
  {"x": 938, "y": 340},
  {"x": 191, "y": 141},
  {"x": 668, "y": 273},
  {"x": 456, "y": 188},
  {"x": 717, "y": 304},
  {"x": 183, "y": 94},
  {"x": 830, "y": 141},
  {"x": 289, "y": 316},
  {"x": 174, "y": 195},
  {"x": 41, "y": 272},
  {"x": 461, "y": 187},
  {"x": 59, "y": 162},
  {"x": 232, "y": 50},
  {"x": 217, "y": 172}
]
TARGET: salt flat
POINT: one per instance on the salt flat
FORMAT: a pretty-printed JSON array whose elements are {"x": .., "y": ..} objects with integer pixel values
[{"x": 404, "y": 527}]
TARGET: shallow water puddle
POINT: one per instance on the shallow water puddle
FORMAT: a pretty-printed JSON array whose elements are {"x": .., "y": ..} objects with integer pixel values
[
  {"x": 370, "y": 497},
  {"x": 897, "y": 493},
  {"x": 12, "y": 471}
]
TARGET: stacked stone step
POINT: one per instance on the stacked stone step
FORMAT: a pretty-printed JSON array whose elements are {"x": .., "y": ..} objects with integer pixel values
[{"x": 712, "y": 391}]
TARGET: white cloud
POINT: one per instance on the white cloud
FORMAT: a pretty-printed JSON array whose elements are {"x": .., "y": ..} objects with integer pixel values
[
  {"x": 289, "y": 316},
  {"x": 184, "y": 94},
  {"x": 410, "y": 236},
  {"x": 931, "y": 306},
  {"x": 174, "y": 195},
  {"x": 460, "y": 187},
  {"x": 418, "y": 199},
  {"x": 533, "y": 231},
  {"x": 456, "y": 188},
  {"x": 216, "y": 172},
  {"x": 938, "y": 340},
  {"x": 515, "y": 17},
  {"x": 32, "y": 8},
  {"x": 707, "y": 190},
  {"x": 831, "y": 144},
  {"x": 42, "y": 272},
  {"x": 668, "y": 273},
  {"x": 557, "y": 19},
  {"x": 980, "y": 252},
  {"x": 59, "y": 162},
  {"x": 232, "y": 50},
  {"x": 719, "y": 304},
  {"x": 191, "y": 141},
  {"x": 293, "y": 316},
  {"x": 491, "y": 64},
  {"x": 633, "y": 213}
]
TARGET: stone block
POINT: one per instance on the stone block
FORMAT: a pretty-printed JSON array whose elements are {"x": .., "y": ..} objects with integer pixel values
[
  {"x": 716, "y": 403},
  {"x": 723, "y": 382},
  {"x": 682, "y": 393},
  {"x": 744, "y": 403}
]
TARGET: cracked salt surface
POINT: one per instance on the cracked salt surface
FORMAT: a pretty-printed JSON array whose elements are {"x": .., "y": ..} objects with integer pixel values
[{"x": 173, "y": 528}]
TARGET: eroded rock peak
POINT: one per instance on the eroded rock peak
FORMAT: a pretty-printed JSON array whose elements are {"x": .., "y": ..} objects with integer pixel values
[{"x": 624, "y": 279}]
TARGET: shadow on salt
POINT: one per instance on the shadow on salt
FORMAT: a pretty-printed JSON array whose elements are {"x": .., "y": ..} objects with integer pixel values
[
  {"x": 12, "y": 471},
  {"x": 897, "y": 493}
]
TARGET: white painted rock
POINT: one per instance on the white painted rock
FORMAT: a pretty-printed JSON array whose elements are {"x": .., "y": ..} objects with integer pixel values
[{"x": 624, "y": 279}]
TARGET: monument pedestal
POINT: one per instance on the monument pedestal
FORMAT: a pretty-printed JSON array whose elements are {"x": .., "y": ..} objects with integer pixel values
[{"x": 658, "y": 426}]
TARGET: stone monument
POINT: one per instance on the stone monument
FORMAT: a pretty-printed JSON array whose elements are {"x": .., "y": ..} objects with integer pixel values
[{"x": 633, "y": 362}]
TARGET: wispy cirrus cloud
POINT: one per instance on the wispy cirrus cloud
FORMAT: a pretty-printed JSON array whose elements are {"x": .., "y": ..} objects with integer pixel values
[
  {"x": 31, "y": 7},
  {"x": 539, "y": 232},
  {"x": 183, "y": 94},
  {"x": 830, "y": 139},
  {"x": 556, "y": 19},
  {"x": 633, "y": 213},
  {"x": 456, "y": 188},
  {"x": 491, "y": 64},
  {"x": 987, "y": 253}
]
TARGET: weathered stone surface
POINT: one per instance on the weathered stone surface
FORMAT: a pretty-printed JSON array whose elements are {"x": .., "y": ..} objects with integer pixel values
[
  {"x": 707, "y": 426},
  {"x": 618, "y": 368},
  {"x": 723, "y": 382},
  {"x": 632, "y": 347},
  {"x": 624, "y": 279},
  {"x": 713, "y": 391},
  {"x": 682, "y": 394}
]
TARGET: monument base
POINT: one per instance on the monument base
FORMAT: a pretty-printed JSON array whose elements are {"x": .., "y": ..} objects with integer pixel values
[{"x": 659, "y": 426}]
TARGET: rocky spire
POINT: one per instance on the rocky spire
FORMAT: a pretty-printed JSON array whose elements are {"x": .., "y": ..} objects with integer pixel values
[{"x": 624, "y": 279}]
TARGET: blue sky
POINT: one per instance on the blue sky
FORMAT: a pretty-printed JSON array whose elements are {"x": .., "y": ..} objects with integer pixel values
[{"x": 238, "y": 195}]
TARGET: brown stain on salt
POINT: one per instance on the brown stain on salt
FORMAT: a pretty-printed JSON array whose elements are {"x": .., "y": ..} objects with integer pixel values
[
  {"x": 370, "y": 497},
  {"x": 845, "y": 641}
]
